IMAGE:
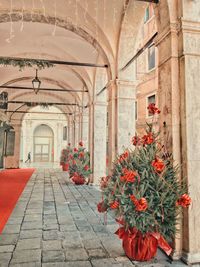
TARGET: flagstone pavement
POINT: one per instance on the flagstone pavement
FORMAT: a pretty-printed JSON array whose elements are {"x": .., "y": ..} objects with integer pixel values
[{"x": 56, "y": 223}]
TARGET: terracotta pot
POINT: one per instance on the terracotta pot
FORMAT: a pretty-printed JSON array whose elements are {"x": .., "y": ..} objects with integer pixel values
[{"x": 65, "y": 167}]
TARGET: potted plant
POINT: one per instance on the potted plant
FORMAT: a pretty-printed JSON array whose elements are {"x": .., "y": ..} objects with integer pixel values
[
  {"x": 64, "y": 159},
  {"x": 79, "y": 167},
  {"x": 146, "y": 195}
]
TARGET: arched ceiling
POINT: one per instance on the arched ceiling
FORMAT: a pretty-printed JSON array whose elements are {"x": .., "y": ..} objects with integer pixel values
[{"x": 67, "y": 30}]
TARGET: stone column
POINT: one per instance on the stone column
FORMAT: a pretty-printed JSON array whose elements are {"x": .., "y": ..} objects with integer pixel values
[
  {"x": 97, "y": 126},
  {"x": 121, "y": 117},
  {"x": 70, "y": 130},
  {"x": 13, "y": 161},
  {"x": 99, "y": 140},
  {"x": 85, "y": 128},
  {"x": 125, "y": 114},
  {"x": 76, "y": 129},
  {"x": 190, "y": 111},
  {"x": 112, "y": 123},
  {"x": 169, "y": 47}
]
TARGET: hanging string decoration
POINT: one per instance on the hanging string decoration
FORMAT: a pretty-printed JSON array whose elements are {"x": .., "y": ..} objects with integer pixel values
[{"x": 23, "y": 63}]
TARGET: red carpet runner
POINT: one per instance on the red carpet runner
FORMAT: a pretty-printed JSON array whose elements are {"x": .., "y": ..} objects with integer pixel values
[{"x": 12, "y": 183}]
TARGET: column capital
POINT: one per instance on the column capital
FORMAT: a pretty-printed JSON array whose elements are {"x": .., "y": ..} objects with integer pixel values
[
  {"x": 190, "y": 26},
  {"x": 98, "y": 103},
  {"x": 119, "y": 82},
  {"x": 126, "y": 83}
]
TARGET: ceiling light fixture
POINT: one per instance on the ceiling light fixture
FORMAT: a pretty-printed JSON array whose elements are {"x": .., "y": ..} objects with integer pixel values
[{"x": 36, "y": 83}]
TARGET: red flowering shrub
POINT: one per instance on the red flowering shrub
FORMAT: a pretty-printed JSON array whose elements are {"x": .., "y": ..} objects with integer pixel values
[
  {"x": 144, "y": 190},
  {"x": 79, "y": 164},
  {"x": 65, "y": 155}
]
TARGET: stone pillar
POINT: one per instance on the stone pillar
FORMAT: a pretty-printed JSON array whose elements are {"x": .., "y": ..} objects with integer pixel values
[
  {"x": 70, "y": 130},
  {"x": 125, "y": 114},
  {"x": 98, "y": 127},
  {"x": 121, "y": 117},
  {"x": 13, "y": 161},
  {"x": 190, "y": 111},
  {"x": 169, "y": 47},
  {"x": 112, "y": 123},
  {"x": 99, "y": 141},
  {"x": 76, "y": 129},
  {"x": 85, "y": 128}
]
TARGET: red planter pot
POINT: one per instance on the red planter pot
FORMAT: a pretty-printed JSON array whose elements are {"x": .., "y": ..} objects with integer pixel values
[
  {"x": 140, "y": 247},
  {"x": 65, "y": 167},
  {"x": 78, "y": 180}
]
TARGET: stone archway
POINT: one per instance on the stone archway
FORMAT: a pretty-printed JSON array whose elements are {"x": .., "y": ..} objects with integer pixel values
[{"x": 43, "y": 144}]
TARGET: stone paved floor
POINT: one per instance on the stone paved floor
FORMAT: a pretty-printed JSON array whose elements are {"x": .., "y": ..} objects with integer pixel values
[{"x": 56, "y": 224}]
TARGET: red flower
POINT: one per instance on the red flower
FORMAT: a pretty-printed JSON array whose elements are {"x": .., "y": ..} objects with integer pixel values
[
  {"x": 158, "y": 165},
  {"x": 128, "y": 176},
  {"x": 136, "y": 140},
  {"x": 153, "y": 109},
  {"x": 184, "y": 201},
  {"x": 71, "y": 156},
  {"x": 75, "y": 149},
  {"x": 114, "y": 205},
  {"x": 134, "y": 200},
  {"x": 69, "y": 144},
  {"x": 74, "y": 162},
  {"x": 123, "y": 156},
  {"x": 81, "y": 155},
  {"x": 80, "y": 143},
  {"x": 142, "y": 204},
  {"x": 148, "y": 139},
  {"x": 86, "y": 168},
  {"x": 101, "y": 207}
]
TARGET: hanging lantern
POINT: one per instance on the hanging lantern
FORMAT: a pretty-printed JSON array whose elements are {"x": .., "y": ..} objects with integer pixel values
[{"x": 36, "y": 83}]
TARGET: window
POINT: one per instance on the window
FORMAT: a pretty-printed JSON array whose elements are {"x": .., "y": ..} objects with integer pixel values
[
  {"x": 151, "y": 99},
  {"x": 136, "y": 110},
  {"x": 147, "y": 14},
  {"x": 151, "y": 57},
  {"x": 65, "y": 133}
]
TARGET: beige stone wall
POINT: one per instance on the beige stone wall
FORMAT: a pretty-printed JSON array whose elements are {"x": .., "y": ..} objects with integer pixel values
[{"x": 147, "y": 81}]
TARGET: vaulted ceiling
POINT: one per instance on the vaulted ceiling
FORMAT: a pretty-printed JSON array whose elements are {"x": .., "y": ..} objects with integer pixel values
[{"x": 69, "y": 30}]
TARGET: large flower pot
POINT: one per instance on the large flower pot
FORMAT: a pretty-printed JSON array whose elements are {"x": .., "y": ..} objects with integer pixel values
[
  {"x": 142, "y": 247},
  {"x": 78, "y": 180},
  {"x": 65, "y": 167}
]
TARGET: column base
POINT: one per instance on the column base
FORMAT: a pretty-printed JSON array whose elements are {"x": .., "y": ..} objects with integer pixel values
[{"x": 192, "y": 259}]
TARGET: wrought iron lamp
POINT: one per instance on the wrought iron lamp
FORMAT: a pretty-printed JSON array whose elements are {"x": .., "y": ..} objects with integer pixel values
[{"x": 36, "y": 83}]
